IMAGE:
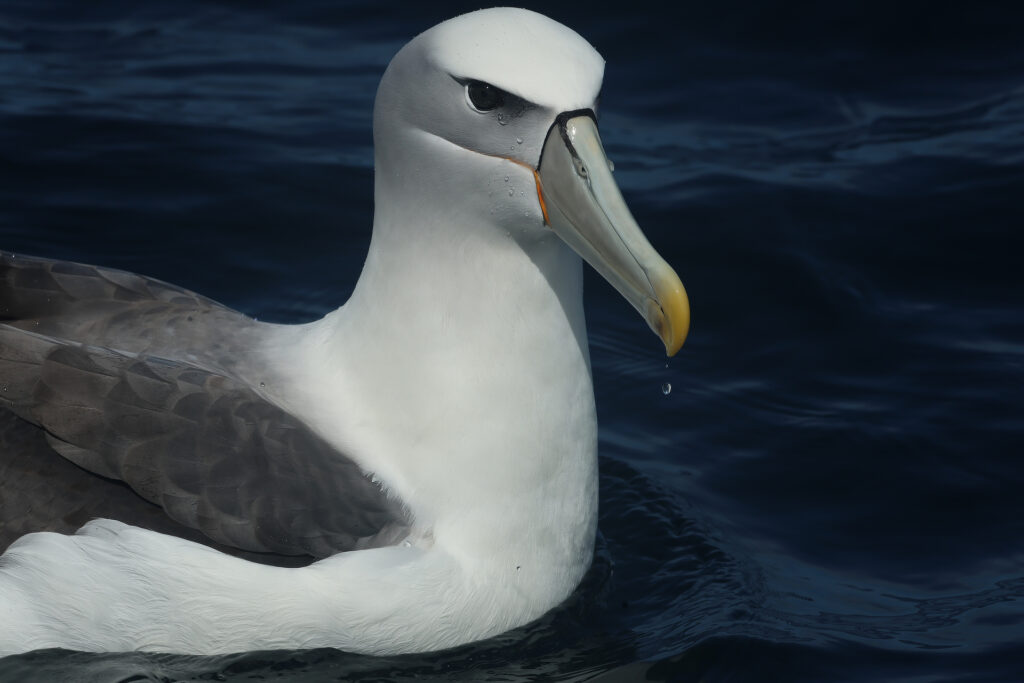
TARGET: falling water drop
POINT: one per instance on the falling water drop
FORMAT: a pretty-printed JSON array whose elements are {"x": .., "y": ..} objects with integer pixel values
[
  {"x": 666, "y": 388},
  {"x": 611, "y": 166}
]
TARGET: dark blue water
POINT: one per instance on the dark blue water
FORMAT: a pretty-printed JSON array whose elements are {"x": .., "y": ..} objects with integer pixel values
[{"x": 834, "y": 488}]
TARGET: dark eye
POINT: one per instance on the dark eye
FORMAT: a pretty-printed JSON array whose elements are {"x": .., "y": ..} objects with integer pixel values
[{"x": 484, "y": 96}]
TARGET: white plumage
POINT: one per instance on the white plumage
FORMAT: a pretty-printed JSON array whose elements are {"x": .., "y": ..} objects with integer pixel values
[{"x": 457, "y": 374}]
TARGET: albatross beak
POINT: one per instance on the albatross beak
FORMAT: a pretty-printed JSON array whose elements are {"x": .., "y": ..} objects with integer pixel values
[{"x": 583, "y": 205}]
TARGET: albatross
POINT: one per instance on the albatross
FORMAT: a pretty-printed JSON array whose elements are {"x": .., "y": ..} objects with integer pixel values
[{"x": 432, "y": 443}]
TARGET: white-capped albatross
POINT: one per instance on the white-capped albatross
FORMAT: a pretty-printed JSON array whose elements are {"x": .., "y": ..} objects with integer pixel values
[{"x": 433, "y": 440}]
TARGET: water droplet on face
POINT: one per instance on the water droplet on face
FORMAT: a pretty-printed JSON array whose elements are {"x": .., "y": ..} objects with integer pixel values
[
  {"x": 519, "y": 141},
  {"x": 511, "y": 192},
  {"x": 666, "y": 388},
  {"x": 501, "y": 120},
  {"x": 263, "y": 385},
  {"x": 611, "y": 166},
  {"x": 506, "y": 179}
]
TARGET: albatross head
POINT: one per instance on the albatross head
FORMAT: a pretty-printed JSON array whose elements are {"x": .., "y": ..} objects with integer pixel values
[{"x": 494, "y": 112}]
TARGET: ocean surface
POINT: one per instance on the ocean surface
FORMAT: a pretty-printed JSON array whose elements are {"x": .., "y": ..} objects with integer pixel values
[{"x": 833, "y": 487}]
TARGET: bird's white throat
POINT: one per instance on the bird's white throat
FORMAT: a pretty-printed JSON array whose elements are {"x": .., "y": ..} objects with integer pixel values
[{"x": 460, "y": 363}]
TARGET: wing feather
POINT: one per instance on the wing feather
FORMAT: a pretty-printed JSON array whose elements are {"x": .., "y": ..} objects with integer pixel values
[{"x": 95, "y": 358}]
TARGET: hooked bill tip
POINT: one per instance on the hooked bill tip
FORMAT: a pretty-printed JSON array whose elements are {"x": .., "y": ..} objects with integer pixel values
[{"x": 669, "y": 316}]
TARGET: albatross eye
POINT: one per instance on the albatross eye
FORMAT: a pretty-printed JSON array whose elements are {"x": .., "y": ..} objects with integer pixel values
[{"x": 484, "y": 96}]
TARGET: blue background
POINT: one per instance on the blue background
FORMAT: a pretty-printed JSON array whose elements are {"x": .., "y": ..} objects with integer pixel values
[{"x": 832, "y": 490}]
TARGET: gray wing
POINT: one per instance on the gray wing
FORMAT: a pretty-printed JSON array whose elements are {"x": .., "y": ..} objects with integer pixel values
[
  {"x": 187, "y": 435},
  {"x": 41, "y": 491},
  {"x": 121, "y": 310}
]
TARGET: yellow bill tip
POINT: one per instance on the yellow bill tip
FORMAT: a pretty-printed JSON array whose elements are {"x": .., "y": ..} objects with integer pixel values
[{"x": 669, "y": 316}]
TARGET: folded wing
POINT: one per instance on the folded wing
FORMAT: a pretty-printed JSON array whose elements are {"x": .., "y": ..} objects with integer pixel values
[{"x": 136, "y": 380}]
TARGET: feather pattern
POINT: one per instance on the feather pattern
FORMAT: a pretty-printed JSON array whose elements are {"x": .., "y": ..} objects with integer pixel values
[{"x": 192, "y": 436}]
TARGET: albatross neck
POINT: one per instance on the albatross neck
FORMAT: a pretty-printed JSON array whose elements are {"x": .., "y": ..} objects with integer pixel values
[{"x": 458, "y": 373}]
